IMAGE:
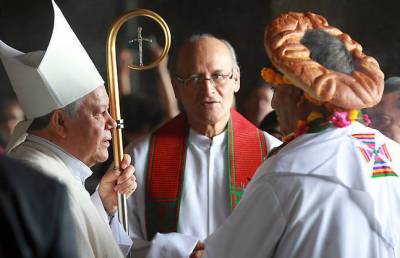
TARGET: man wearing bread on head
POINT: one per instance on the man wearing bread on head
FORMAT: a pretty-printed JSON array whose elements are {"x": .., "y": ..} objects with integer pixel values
[
  {"x": 332, "y": 189},
  {"x": 68, "y": 129}
]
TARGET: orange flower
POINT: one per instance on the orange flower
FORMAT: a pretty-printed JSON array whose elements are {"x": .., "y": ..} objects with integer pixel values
[{"x": 272, "y": 77}]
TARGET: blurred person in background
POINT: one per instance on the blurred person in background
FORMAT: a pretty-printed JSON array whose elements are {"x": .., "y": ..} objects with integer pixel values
[
  {"x": 10, "y": 115},
  {"x": 386, "y": 115},
  {"x": 270, "y": 125},
  {"x": 257, "y": 102},
  {"x": 142, "y": 114}
]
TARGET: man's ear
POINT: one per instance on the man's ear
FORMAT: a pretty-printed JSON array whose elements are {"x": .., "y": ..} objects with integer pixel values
[
  {"x": 236, "y": 77},
  {"x": 58, "y": 123}
]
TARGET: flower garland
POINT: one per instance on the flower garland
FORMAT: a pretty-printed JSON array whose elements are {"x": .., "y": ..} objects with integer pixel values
[
  {"x": 316, "y": 122},
  {"x": 272, "y": 77}
]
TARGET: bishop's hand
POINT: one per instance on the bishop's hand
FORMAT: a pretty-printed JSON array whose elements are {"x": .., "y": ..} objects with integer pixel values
[{"x": 117, "y": 181}]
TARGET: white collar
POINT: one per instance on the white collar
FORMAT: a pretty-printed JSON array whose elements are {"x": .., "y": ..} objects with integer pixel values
[
  {"x": 204, "y": 141},
  {"x": 77, "y": 168}
]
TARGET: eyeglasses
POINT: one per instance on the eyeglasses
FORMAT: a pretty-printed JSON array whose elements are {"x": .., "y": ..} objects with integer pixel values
[{"x": 217, "y": 79}]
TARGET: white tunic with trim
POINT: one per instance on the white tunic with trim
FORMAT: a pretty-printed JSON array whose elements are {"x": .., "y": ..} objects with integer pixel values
[
  {"x": 205, "y": 196},
  {"x": 317, "y": 198},
  {"x": 94, "y": 235}
]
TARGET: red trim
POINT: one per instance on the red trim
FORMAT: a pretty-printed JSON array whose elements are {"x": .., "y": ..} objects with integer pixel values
[
  {"x": 165, "y": 173},
  {"x": 168, "y": 144},
  {"x": 247, "y": 155},
  {"x": 166, "y": 165}
]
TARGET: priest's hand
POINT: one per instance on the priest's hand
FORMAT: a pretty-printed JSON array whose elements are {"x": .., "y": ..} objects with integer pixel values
[
  {"x": 117, "y": 181},
  {"x": 198, "y": 250}
]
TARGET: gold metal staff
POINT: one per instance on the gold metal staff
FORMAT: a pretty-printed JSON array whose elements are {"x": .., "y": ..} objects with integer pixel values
[{"x": 114, "y": 92}]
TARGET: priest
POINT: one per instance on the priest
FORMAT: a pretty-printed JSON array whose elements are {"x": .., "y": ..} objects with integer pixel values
[
  {"x": 192, "y": 171},
  {"x": 68, "y": 129},
  {"x": 332, "y": 189}
]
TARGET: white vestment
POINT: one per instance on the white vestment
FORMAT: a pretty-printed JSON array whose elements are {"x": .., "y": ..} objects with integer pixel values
[
  {"x": 205, "y": 196},
  {"x": 93, "y": 234},
  {"x": 317, "y": 198}
]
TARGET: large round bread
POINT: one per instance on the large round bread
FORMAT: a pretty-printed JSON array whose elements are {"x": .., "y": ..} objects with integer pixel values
[{"x": 339, "y": 91}]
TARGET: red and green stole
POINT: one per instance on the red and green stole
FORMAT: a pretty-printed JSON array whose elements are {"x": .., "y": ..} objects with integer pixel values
[{"x": 246, "y": 149}]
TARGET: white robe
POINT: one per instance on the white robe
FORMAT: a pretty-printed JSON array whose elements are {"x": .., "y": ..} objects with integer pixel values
[
  {"x": 205, "y": 196},
  {"x": 93, "y": 234},
  {"x": 316, "y": 198}
]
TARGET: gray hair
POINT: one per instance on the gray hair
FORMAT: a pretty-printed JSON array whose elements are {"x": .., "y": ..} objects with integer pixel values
[
  {"x": 43, "y": 121},
  {"x": 392, "y": 84},
  {"x": 193, "y": 39},
  {"x": 328, "y": 51}
]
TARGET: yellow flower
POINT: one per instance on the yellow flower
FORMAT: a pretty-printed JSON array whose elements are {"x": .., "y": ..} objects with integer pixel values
[
  {"x": 353, "y": 115},
  {"x": 314, "y": 115}
]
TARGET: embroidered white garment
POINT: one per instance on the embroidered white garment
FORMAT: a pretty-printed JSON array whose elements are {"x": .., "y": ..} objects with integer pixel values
[{"x": 321, "y": 195}]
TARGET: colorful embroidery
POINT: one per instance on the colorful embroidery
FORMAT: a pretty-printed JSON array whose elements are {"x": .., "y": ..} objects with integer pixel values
[
  {"x": 380, "y": 155},
  {"x": 316, "y": 122}
]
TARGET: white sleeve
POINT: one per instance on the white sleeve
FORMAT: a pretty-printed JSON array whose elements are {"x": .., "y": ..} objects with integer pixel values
[
  {"x": 258, "y": 221},
  {"x": 96, "y": 200},
  {"x": 121, "y": 237},
  {"x": 170, "y": 245}
]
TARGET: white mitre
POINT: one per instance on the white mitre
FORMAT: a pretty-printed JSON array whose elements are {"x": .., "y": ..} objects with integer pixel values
[{"x": 47, "y": 80}]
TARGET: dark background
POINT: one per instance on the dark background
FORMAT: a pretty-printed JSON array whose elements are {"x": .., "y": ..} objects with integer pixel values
[{"x": 27, "y": 25}]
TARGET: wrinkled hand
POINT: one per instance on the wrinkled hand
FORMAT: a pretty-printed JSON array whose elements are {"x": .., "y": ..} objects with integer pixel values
[
  {"x": 198, "y": 250},
  {"x": 117, "y": 181}
]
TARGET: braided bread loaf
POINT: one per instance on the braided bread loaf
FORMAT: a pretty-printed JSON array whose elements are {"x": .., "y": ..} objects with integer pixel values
[{"x": 338, "y": 91}]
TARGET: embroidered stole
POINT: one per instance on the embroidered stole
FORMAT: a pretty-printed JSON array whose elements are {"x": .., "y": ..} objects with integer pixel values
[{"x": 246, "y": 149}]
